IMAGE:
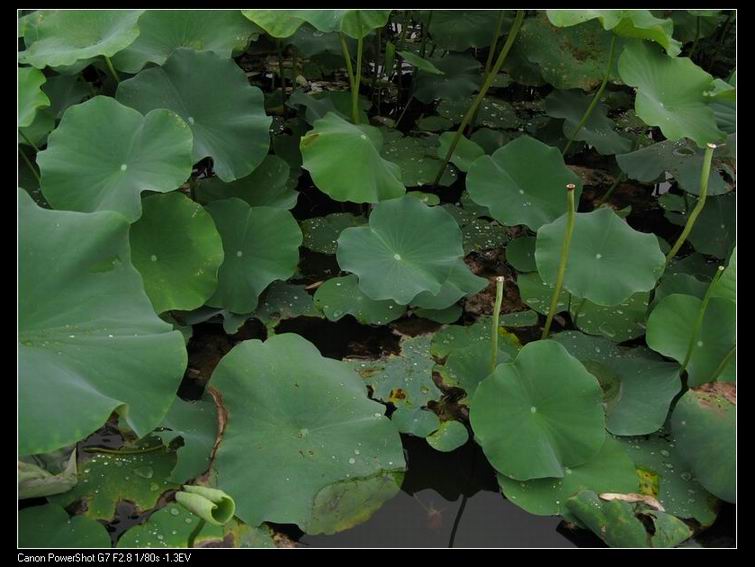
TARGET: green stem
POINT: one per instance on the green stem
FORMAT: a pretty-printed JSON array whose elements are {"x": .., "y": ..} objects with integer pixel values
[
  {"x": 112, "y": 69},
  {"x": 700, "y": 316},
  {"x": 697, "y": 38},
  {"x": 483, "y": 91},
  {"x": 571, "y": 215},
  {"x": 357, "y": 82},
  {"x": 704, "y": 176},
  {"x": 195, "y": 532},
  {"x": 496, "y": 317},
  {"x": 28, "y": 163},
  {"x": 279, "y": 49},
  {"x": 724, "y": 363},
  {"x": 622, "y": 176},
  {"x": 349, "y": 70},
  {"x": 494, "y": 44},
  {"x": 596, "y": 98},
  {"x": 425, "y": 35},
  {"x": 575, "y": 318},
  {"x": 411, "y": 97},
  {"x": 28, "y": 141}
]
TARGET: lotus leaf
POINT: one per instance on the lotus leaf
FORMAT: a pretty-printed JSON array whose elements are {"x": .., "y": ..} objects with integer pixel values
[
  {"x": 464, "y": 337},
  {"x": 415, "y": 421},
  {"x": 539, "y": 414},
  {"x": 456, "y": 77},
  {"x": 407, "y": 248},
  {"x": 317, "y": 105},
  {"x": 526, "y": 318},
  {"x": 726, "y": 286},
  {"x": 47, "y": 474},
  {"x": 537, "y": 294},
  {"x": 50, "y": 526},
  {"x": 341, "y": 296},
  {"x": 520, "y": 253},
  {"x": 417, "y": 159},
  {"x": 460, "y": 283},
  {"x": 714, "y": 233},
  {"x": 103, "y": 155},
  {"x": 229, "y": 125},
  {"x": 90, "y": 339},
  {"x": 442, "y": 316},
  {"x": 321, "y": 233},
  {"x": 466, "y": 368},
  {"x": 458, "y": 30},
  {"x": 522, "y": 183},
  {"x": 492, "y": 113},
  {"x": 170, "y": 526},
  {"x": 290, "y": 446},
  {"x": 465, "y": 153},
  {"x": 420, "y": 63},
  {"x": 620, "y": 323},
  {"x": 261, "y": 245},
  {"x": 64, "y": 91},
  {"x": 450, "y": 436},
  {"x": 30, "y": 95},
  {"x": 285, "y": 301}
]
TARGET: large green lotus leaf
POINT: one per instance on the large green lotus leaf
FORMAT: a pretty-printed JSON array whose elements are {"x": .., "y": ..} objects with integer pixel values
[
  {"x": 415, "y": 421},
  {"x": 665, "y": 476},
  {"x": 106, "y": 479},
  {"x": 416, "y": 156},
  {"x": 214, "y": 97},
  {"x": 163, "y": 31},
  {"x": 704, "y": 424},
  {"x": 104, "y": 154},
  {"x": 284, "y": 23},
  {"x": 611, "y": 470},
  {"x": 640, "y": 24},
  {"x": 90, "y": 341},
  {"x": 465, "y": 153},
  {"x": 30, "y": 95},
  {"x": 670, "y": 327},
  {"x": 450, "y": 436},
  {"x": 281, "y": 301},
  {"x": 460, "y": 77},
  {"x": 49, "y": 526},
  {"x": 715, "y": 230},
  {"x": 670, "y": 93},
  {"x": 619, "y": 323},
  {"x": 458, "y": 30},
  {"x": 338, "y": 297},
  {"x": 726, "y": 287},
  {"x": 277, "y": 23},
  {"x": 460, "y": 283},
  {"x": 170, "y": 526},
  {"x": 321, "y": 233},
  {"x": 539, "y": 414},
  {"x": 266, "y": 186},
  {"x": 345, "y": 163},
  {"x": 523, "y": 182},
  {"x": 408, "y": 248},
  {"x": 608, "y": 260},
  {"x": 404, "y": 379},
  {"x": 599, "y": 131},
  {"x": 679, "y": 158},
  {"x": 178, "y": 251},
  {"x": 64, "y": 37},
  {"x": 492, "y": 112},
  {"x": 568, "y": 58},
  {"x": 261, "y": 245},
  {"x": 298, "y": 423},
  {"x": 196, "y": 424}
]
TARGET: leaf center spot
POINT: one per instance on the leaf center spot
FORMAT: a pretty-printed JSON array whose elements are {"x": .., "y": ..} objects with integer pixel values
[
  {"x": 239, "y": 253},
  {"x": 699, "y": 343},
  {"x": 397, "y": 256},
  {"x": 533, "y": 409},
  {"x": 364, "y": 137},
  {"x": 153, "y": 258},
  {"x": 598, "y": 256},
  {"x": 124, "y": 167}
]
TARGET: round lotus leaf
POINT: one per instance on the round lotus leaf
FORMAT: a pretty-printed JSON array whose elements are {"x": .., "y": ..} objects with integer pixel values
[
  {"x": 460, "y": 283},
  {"x": 465, "y": 153},
  {"x": 338, "y": 297},
  {"x": 266, "y": 186},
  {"x": 407, "y": 248},
  {"x": 477, "y": 234},
  {"x": 416, "y": 156},
  {"x": 427, "y": 198},
  {"x": 104, "y": 154},
  {"x": 415, "y": 421},
  {"x": 321, "y": 233},
  {"x": 212, "y": 94},
  {"x": 163, "y": 31},
  {"x": 458, "y": 30},
  {"x": 90, "y": 341},
  {"x": 178, "y": 251},
  {"x": 520, "y": 253},
  {"x": 450, "y": 436},
  {"x": 30, "y": 95},
  {"x": 670, "y": 93},
  {"x": 49, "y": 526},
  {"x": 492, "y": 112},
  {"x": 523, "y": 182},
  {"x": 434, "y": 123},
  {"x": 608, "y": 259},
  {"x": 540, "y": 414},
  {"x": 620, "y": 323},
  {"x": 63, "y": 37},
  {"x": 344, "y": 161},
  {"x": 459, "y": 77},
  {"x": 170, "y": 526},
  {"x": 261, "y": 245},
  {"x": 640, "y": 24},
  {"x": 278, "y": 433},
  {"x": 354, "y": 23},
  {"x": 281, "y": 301},
  {"x": 670, "y": 327},
  {"x": 704, "y": 424},
  {"x": 610, "y": 470},
  {"x": 598, "y": 131}
]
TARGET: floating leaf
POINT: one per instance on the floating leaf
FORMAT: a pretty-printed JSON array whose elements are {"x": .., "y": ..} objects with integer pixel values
[
  {"x": 64, "y": 91},
  {"x": 539, "y": 414},
  {"x": 466, "y": 368},
  {"x": 90, "y": 342},
  {"x": 456, "y": 76},
  {"x": 450, "y": 436},
  {"x": 49, "y": 526},
  {"x": 415, "y": 421},
  {"x": 714, "y": 233},
  {"x": 526, "y": 318},
  {"x": 344, "y": 161},
  {"x": 281, "y": 301},
  {"x": 170, "y": 526},
  {"x": 417, "y": 159},
  {"x": 321, "y": 233},
  {"x": 30, "y": 95},
  {"x": 537, "y": 294},
  {"x": 492, "y": 112},
  {"x": 177, "y": 250},
  {"x": 287, "y": 443},
  {"x": 103, "y": 155},
  {"x": 522, "y": 183},
  {"x": 620, "y": 323},
  {"x": 341, "y": 296},
  {"x": 261, "y": 245},
  {"x": 407, "y": 248},
  {"x": 460, "y": 283},
  {"x": 465, "y": 153},
  {"x": 520, "y": 253},
  {"x": 229, "y": 124},
  {"x": 442, "y": 316}
]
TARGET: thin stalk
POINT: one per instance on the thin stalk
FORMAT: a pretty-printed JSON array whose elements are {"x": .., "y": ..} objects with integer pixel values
[
  {"x": 28, "y": 141},
  {"x": 457, "y": 520},
  {"x": 357, "y": 82},
  {"x": 622, "y": 176},
  {"x": 112, "y": 69},
  {"x": 704, "y": 176},
  {"x": 724, "y": 363},
  {"x": 494, "y": 44},
  {"x": 483, "y": 91},
  {"x": 575, "y": 318},
  {"x": 496, "y": 316},
  {"x": 279, "y": 49},
  {"x": 349, "y": 70},
  {"x": 377, "y": 66},
  {"x": 564, "y": 258},
  {"x": 697, "y": 38},
  {"x": 29, "y": 164},
  {"x": 700, "y": 316},
  {"x": 596, "y": 98},
  {"x": 425, "y": 35},
  {"x": 411, "y": 97},
  {"x": 193, "y": 535}
]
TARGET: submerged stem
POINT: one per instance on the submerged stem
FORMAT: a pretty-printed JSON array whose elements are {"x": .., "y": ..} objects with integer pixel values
[
  {"x": 700, "y": 316},
  {"x": 704, "y": 176},
  {"x": 496, "y": 318},
  {"x": 596, "y": 98},
  {"x": 481, "y": 95},
  {"x": 571, "y": 215}
]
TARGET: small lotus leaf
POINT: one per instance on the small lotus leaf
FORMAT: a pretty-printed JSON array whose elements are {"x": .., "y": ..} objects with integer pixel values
[
  {"x": 465, "y": 153},
  {"x": 283, "y": 300},
  {"x": 450, "y": 436},
  {"x": 415, "y": 421},
  {"x": 420, "y": 63},
  {"x": 321, "y": 233},
  {"x": 620, "y": 323},
  {"x": 49, "y": 526},
  {"x": 460, "y": 283},
  {"x": 338, "y": 297},
  {"x": 714, "y": 233},
  {"x": 442, "y": 316},
  {"x": 520, "y": 253},
  {"x": 30, "y": 95},
  {"x": 170, "y": 526},
  {"x": 466, "y": 368},
  {"x": 492, "y": 113}
]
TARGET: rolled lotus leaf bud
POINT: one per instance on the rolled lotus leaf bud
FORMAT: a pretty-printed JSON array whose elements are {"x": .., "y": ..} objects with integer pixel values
[{"x": 212, "y": 505}]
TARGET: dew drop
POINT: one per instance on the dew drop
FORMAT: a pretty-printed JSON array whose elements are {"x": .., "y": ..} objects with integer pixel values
[
  {"x": 153, "y": 258},
  {"x": 397, "y": 256},
  {"x": 124, "y": 167}
]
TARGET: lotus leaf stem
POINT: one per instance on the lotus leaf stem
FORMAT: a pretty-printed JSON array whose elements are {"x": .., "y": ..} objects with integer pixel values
[
  {"x": 496, "y": 317},
  {"x": 570, "y": 218},
  {"x": 481, "y": 95},
  {"x": 112, "y": 69},
  {"x": 494, "y": 43},
  {"x": 279, "y": 49},
  {"x": 596, "y": 98},
  {"x": 425, "y": 35},
  {"x": 724, "y": 363},
  {"x": 29, "y": 164},
  {"x": 599, "y": 203},
  {"x": 700, "y": 316},
  {"x": 28, "y": 141},
  {"x": 195, "y": 532},
  {"x": 210, "y": 504},
  {"x": 350, "y": 71},
  {"x": 357, "y": 82},
  {"x": 704, "y": 177}
]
